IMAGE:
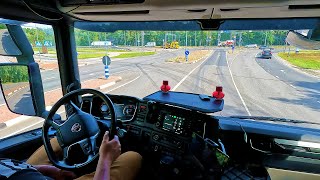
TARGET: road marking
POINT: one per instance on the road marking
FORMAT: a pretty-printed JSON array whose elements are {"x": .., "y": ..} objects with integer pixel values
[
  {"x": 2, "y": 104},
  {"x": 91, "y": 74},
  {"x": 107, "y": 85},
  {"x": 292, "y": 86},
  {"x": 17, "y": 120},
  {"x": 234, "y": 83},
  {"x": 277, "y": 77},
  {"x": 282, "y": 71},
  {"x": 20, "y": 130},
  {"x": 125, "y": 83},
  {"x": 184, "y": 78},
  {"x": 50, "y": 78},
  {"x": 318, "y": 101}
]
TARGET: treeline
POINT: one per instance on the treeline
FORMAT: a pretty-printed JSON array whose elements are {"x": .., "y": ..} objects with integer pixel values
[
  {"x": 14, "y": 74},
  {"x": 193, "y": 38},
  {"x": 140, "y": 38}
]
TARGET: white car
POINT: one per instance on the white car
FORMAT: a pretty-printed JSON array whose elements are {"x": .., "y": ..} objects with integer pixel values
[{"x": 251, "y": 46}]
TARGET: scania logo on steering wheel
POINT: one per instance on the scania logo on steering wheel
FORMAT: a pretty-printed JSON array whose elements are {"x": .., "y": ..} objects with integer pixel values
[{"x": 76, "y": 127}]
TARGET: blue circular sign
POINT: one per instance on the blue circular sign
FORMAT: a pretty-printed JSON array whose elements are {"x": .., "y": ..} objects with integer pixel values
[{"x": 186, "y": 52}]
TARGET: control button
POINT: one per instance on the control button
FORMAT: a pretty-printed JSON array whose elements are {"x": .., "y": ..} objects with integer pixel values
[
  {"x": 156, "y": 147},
  {"x": 156, "y": 137},
  {"x": 157, "y": 124}
]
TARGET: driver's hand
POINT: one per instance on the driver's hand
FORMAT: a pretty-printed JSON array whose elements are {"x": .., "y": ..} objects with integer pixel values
[{"x": 110, "y": 150}]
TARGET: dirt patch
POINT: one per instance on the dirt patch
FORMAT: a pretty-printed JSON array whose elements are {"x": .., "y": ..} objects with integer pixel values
[
  {"x": 48, "y": 65},
  {"x": 193, "y": 57}
]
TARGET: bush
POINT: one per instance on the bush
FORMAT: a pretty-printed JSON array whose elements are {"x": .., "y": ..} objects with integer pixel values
[{"x": 14, "y": 74}]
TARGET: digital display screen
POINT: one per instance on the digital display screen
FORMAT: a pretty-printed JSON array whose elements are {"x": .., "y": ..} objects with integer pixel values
[{"x": 173, "y": 123}]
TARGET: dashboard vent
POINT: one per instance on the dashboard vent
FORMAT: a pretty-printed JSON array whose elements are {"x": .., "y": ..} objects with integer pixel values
[
  {"x": 305, "y": 6},
  {"x": 98, "y": 2},
  {"x": 113, "y": 12},
  {"x": 197, "y": 10},
  {"x": 231, "y": 9}
]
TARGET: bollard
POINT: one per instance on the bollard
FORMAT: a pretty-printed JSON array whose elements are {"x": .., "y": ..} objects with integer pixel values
[{"x": 106, "y": 71}]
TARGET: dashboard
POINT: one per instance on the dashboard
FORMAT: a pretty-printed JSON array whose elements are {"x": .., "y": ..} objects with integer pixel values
[
  {"x": 125, "y": 107},
  {"x": 161, "y": 128}
]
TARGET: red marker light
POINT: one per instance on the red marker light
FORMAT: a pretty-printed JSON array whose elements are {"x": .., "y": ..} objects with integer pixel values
[
  {"x": 218, "y": 94},
  {"x": 165, "y": 87}
]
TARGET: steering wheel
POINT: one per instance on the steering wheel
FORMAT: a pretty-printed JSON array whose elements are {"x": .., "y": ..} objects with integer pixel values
[{"x": 80, "y": 128}]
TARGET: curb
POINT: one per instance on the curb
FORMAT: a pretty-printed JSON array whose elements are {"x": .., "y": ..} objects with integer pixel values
[
  {"x": 109, "y": 84},
  {"x": 14, "y": 121},
  {"x": 16, "y": 90}
]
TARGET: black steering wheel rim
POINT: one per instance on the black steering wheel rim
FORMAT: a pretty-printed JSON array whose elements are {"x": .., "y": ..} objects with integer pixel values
[{"x": 50, "y": 123}]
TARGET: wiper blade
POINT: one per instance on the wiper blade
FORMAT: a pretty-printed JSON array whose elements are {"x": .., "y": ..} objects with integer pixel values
[{"x": 274, "y": 119}]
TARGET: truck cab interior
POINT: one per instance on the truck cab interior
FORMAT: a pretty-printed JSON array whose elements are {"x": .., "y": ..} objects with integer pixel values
[{"x": 180, "y": 135}]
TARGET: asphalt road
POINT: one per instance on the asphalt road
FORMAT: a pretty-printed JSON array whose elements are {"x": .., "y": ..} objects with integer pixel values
[{"x": 253, "y": 86}]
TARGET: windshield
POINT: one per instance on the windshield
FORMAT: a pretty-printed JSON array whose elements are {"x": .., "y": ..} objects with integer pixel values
[{"x": 261, "y": 75}]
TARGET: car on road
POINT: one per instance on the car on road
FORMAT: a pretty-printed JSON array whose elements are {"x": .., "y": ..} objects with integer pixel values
[
  {"x": 266, "y": 53},
  {"x": 263, "y": 47},
  {"x": 251, "y": 46},
  {"x": 193, "y": 111}
]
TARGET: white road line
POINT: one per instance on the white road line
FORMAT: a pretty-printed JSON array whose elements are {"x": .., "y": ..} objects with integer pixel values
[
  {"x": 184, "y": 78},
  {"x": 244, "y": 104},
  {"x": 125, "y": 83},
  {"x": 91, "y": 74},
  {"x": 50, "y": 78},
  {"x": 277, "y": 77},
  {"x": 292, "y": 86},
  {"x": 282, "y": 71}
]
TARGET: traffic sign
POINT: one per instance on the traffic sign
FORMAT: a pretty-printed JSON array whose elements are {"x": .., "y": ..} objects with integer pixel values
[
  {"x": 186, "y": 52},
  {"x": 106, "y": 60},
  {"x": 38, "y": 43}
]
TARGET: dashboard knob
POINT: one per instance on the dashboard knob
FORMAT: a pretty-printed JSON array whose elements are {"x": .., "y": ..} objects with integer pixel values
[{"x": 156, "y": 137}]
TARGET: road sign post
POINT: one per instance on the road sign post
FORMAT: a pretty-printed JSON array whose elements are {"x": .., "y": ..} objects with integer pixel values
[{"x": 187, "y": 54}]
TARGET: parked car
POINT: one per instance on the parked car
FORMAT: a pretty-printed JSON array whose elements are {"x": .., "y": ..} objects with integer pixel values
[
  {"x": 266, "y": 53},
  {"x": 251, "y": 46}
]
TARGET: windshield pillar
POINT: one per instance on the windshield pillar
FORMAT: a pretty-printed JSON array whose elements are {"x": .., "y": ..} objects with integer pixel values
[{"x": 67, "y": 56}]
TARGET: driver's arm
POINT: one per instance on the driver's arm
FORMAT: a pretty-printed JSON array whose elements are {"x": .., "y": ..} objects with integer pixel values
[{"x": 109, "y": 151}]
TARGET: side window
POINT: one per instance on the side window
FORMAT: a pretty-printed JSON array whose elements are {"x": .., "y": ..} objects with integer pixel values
[{"x": 41, "y": 38}]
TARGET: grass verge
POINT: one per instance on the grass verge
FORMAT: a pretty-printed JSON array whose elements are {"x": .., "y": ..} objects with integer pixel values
[
  {"x": 91, "y": 55},
  {"x": 304, "y": 59},
  {"x": 134, "y": 54}
]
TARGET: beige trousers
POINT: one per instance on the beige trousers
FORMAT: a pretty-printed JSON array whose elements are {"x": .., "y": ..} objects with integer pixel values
[{"x": 125, "y": 167}]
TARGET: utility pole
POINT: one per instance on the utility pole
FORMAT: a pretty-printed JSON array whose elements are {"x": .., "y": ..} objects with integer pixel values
[
  {"x": 125, "y": 39},
  {"x": 88, "y": 38},
  {"x": 142, "y": 38},
  {"x": 186, "y": 39},
  {"x": 265, "y": 39},
  {"x": 195, "y": 38},
  {"x": 240, "y": 39},
  {"x": 219, "y": 37},
  {"x": 207, "y": 40}
]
